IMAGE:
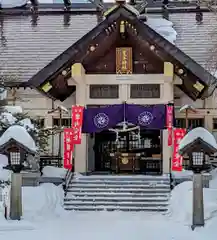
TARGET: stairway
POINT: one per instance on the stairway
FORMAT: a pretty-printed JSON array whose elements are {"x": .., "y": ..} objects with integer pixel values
[{"x": 123, "y": 193}]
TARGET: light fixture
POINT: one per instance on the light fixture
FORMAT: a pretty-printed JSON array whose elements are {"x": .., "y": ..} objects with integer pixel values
[
  {"x": 180, "y": 71},
  {"x": 197, "y": 158},
  {"x": 64, "y": 72},
  {"x": 92, "y": 48},
  {"x": 67, "y": 4},
  {"x": 152, "y": 47}
]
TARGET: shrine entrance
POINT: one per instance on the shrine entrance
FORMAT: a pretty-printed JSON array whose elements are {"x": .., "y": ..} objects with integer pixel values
[{"x": 133, "y": 152}]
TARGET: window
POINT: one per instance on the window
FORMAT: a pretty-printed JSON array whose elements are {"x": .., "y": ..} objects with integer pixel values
[
  {"x": 66, "y": 122},
  {"x": 192, "y": 123},
  {"x": 145, "y": 91},
  {"x": 40, "y": 122},
  {"x": 197, "y": 158},
  {"x": 180, "y": 123},
  {"x": 104, "y": 91},
  {"x": 214, "y": 126}
]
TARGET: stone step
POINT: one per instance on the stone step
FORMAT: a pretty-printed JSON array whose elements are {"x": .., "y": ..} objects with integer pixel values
[
  {"x": 120, "y": 190},
  {"x": 108, "y": 182},
  {"x": 119, "y": 186},
  {"x": 118, "y": 204},
  {"x": 115, "y": 208},
  {"x": 130, "y": 178},
  {"x": 117, "y": 195},
  {"x": 116, "y": 199}
]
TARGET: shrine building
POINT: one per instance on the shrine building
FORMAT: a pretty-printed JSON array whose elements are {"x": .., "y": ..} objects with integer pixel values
[{"x": 130, "y": 64}]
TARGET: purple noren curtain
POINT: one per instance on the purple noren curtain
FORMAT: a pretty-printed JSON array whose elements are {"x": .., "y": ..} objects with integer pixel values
[
  {"x": 99, "y": 119},
  {"x": 148, "y": 116}
]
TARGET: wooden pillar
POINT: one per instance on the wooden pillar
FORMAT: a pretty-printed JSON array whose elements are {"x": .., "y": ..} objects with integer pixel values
[
  {"x": 169, "y": 98},
  {"x": 78, "y": 75}
]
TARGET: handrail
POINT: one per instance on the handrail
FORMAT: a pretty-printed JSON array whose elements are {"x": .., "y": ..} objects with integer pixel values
[{"x": 68, "y": 177}]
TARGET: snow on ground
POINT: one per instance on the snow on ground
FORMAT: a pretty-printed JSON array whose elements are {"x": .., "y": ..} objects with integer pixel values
[
  {"x": 44, "y": 216},
  {"x": 50, "y": 171},
  {"x": 183, "y": 174},
  {"x": 180, "y": 209},
  {"x": 49, "y": 204},
  {"x": 5, "y": 174}
]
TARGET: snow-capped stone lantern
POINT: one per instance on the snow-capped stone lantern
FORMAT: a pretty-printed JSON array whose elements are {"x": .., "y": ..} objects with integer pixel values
[
  {"x": 198, "y": 144},
  {"x": 16, "y": 144}
]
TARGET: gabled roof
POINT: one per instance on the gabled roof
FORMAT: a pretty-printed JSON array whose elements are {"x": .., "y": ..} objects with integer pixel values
[
  {"x": 171, "y": 52},
  {"x": 25, "y": 39},
  {"x": 28, "y": 43}
]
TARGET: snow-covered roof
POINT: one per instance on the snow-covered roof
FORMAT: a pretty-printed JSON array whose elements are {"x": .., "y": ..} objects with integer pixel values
[
  {"x": 3, "y": 94},
  {"x": 26, "y": 122},
  {"x": 63, "y": 108},
  {"x": 163, "y": 27},
  {"x": 12, "y": 3},
  {"x": 196, "y": 133},
  {"x": 7, "y": 118},
  {"x": 187, "y": 107},
  {"x": 19, "y": 134},
  {"x": 13, "y": 109}
]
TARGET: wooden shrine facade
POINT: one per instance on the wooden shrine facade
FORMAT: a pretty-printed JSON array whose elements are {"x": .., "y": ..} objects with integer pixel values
[
  {"x": 97, "y": 51},
  {"x": 121, "y": 59}
]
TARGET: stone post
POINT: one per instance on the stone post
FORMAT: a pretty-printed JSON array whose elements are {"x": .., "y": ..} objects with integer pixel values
[
  {"x": 198, "y": 206},
  {"x": 16, "y": 196}
]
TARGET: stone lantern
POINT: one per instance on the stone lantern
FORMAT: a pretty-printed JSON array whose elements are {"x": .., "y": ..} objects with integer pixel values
[
  {"x": 198, "y": 144},
  {"x": 16, "y": 143}
]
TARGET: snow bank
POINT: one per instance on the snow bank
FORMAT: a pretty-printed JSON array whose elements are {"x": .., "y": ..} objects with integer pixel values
[
  {"x": 5, "y": 174},
  {"x": 3, "y": 160},
  {"x": 180, "y": 206},
  {"x": 50, "y": 171},
  {"x": 44, "y": 201},
  {"x": 183, "y": 174},
  {"x": 41, "y": 203}
]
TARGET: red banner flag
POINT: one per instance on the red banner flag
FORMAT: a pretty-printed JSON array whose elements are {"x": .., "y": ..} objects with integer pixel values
[
  {"x": 178, "y": 134},
  {"x": 68, "y": 148},
  {"x": 77, "y": 121},
  {"x": 169, "y": 117}
]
